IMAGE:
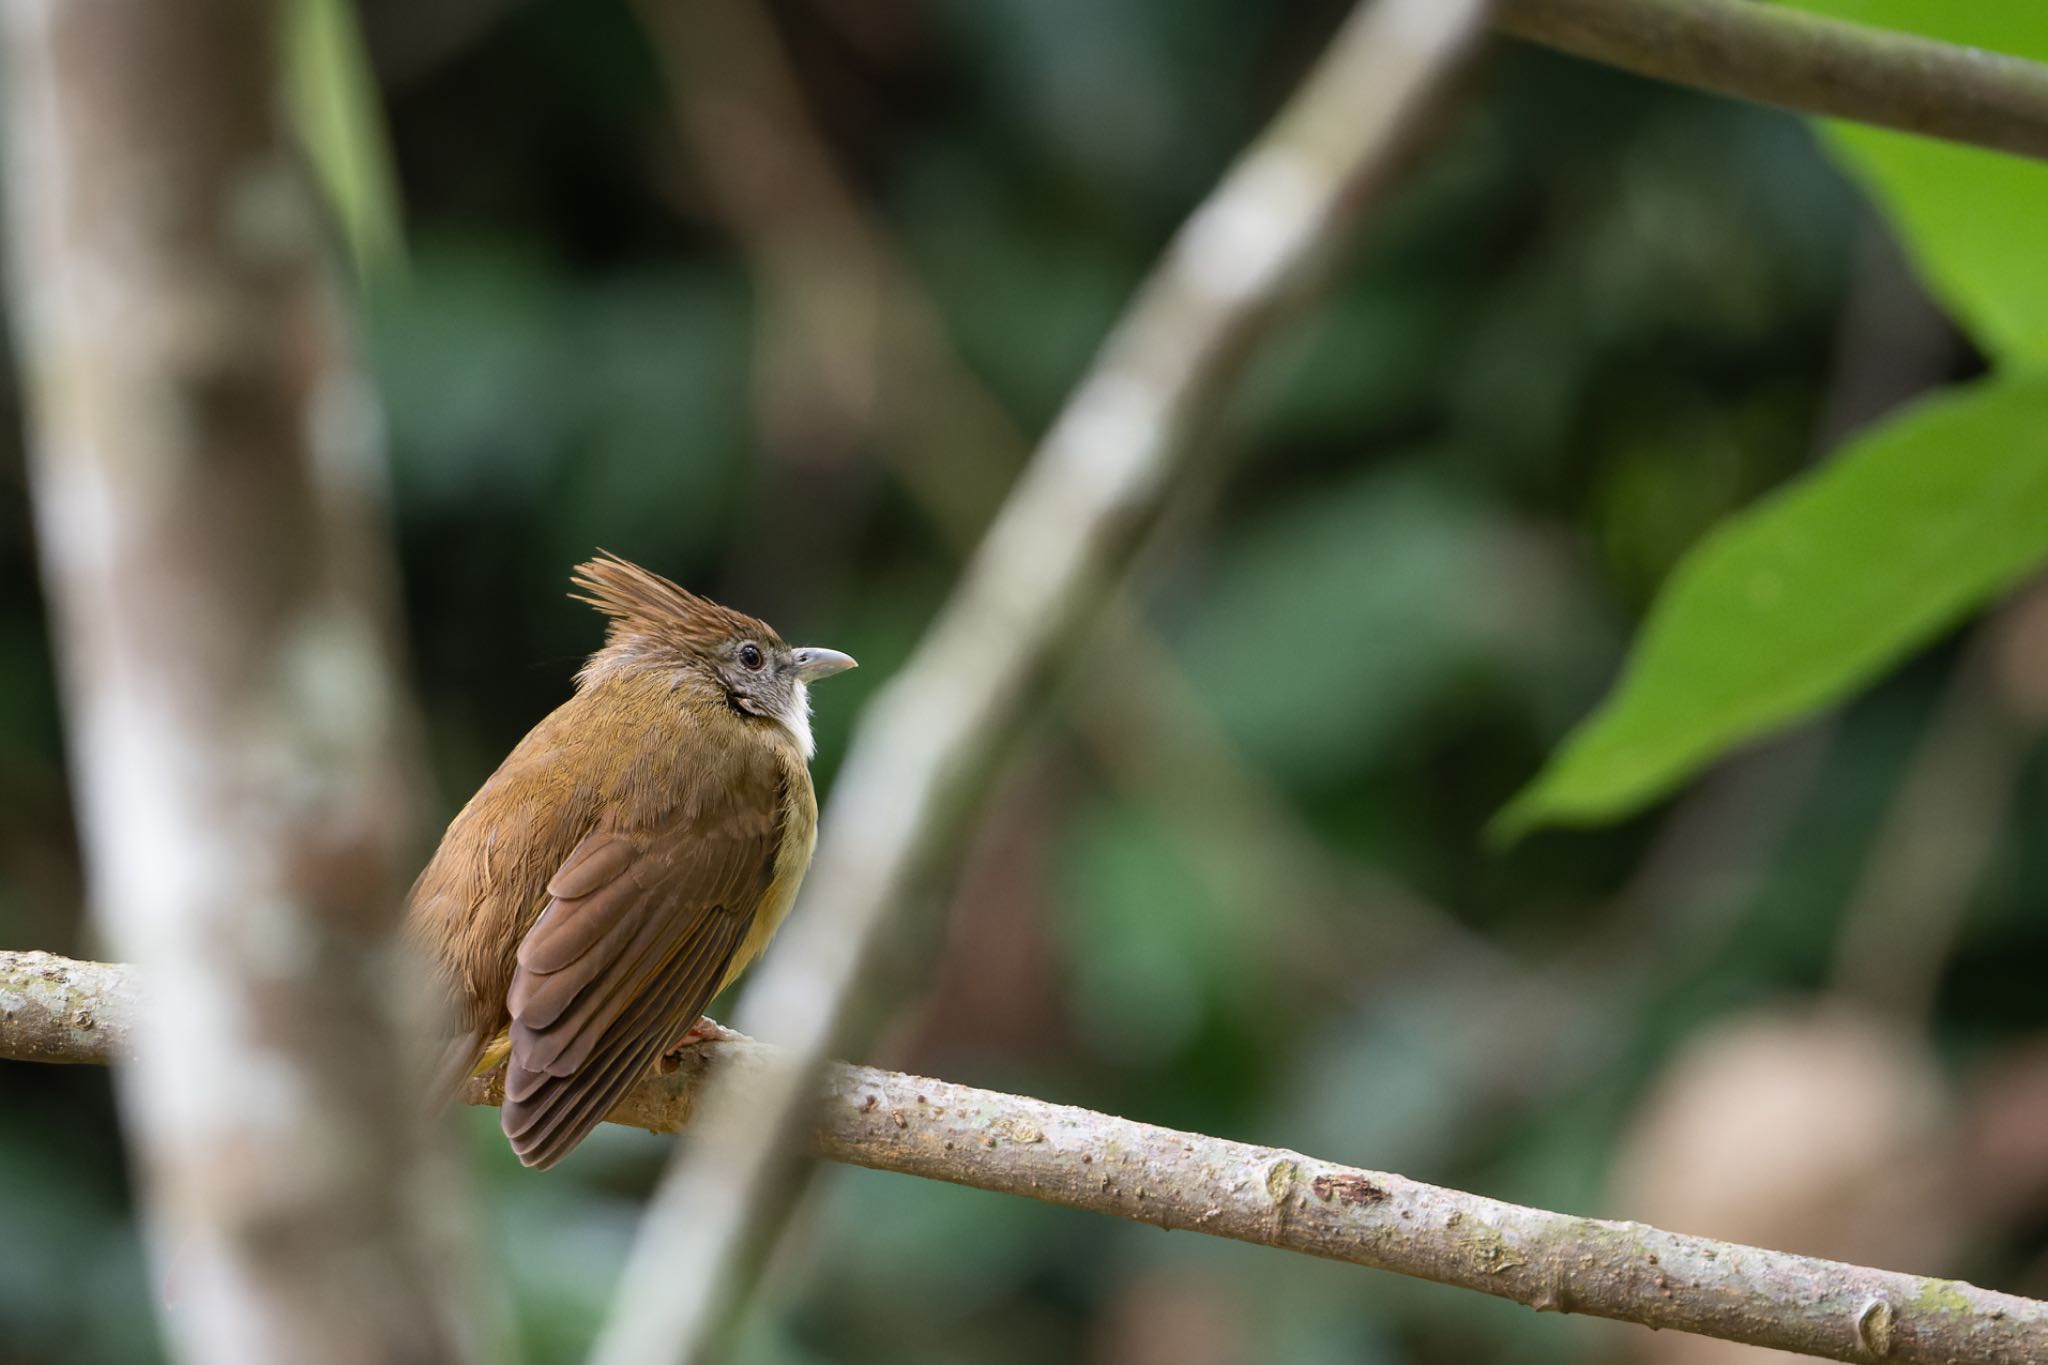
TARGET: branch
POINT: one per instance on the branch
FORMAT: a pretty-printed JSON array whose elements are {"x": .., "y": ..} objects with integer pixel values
[
  {"x": 1777, "y": 55},
  {"x": 207, "y": 495},
  {"x": 1940, "y": 831},
  {"x": 55, "y": 1009},
  {"x": 1269, "y": 1196},
  {"x": 1063, "y": 537},
  {"x": 812, "y": 245}
]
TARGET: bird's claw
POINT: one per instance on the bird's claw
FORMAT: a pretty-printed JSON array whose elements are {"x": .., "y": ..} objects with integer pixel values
[{"x": 705, "y": 1030}]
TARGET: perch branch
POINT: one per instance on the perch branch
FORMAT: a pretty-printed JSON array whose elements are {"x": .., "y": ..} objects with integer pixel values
[
  {"x": 1067, "y": 529},
  {"x": 1777, "y": 55},
  {"x": 52, "y": 1009}
]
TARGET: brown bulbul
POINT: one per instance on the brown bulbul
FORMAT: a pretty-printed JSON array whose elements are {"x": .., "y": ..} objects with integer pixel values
[{"x": 627, "y": 860}]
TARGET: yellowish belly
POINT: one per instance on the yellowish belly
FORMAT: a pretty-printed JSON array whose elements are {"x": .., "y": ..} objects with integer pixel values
[{"x": 800, "y": 839}]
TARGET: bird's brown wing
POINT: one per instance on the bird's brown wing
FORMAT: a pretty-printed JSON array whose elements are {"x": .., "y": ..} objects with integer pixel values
[{"x": 636, "y": 936}]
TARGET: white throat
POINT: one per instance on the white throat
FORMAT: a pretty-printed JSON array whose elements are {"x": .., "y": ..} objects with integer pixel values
[{"x": 796, "y": 718}]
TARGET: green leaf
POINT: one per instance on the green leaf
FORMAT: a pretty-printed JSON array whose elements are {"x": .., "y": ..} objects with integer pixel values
[
  {"x": 1793, "y": 604},
  {"x": 1970, "y": 219},
  {"x": 333, "y": 97}
]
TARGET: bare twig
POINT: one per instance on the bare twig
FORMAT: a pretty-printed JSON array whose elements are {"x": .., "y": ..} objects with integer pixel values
[
  {"x": 1080, "y": 1159},
  {"x": 207, "y": 501},
  {"x": 1045, "y": 566},
  {"x": 1778, "y": 55}
]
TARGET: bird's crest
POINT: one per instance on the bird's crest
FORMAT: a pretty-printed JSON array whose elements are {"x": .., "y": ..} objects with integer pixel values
[{"x": 645, "y": 607}]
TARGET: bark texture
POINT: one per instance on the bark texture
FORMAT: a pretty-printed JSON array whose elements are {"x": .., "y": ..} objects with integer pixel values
[
  {"x": 1774, "y": 54},
  {"x": 208, "y": 507},
  {"x": 1551, "y": 1262}
]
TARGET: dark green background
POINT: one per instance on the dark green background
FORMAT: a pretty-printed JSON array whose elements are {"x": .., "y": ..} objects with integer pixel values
[{"x": 1601, "y": 316}]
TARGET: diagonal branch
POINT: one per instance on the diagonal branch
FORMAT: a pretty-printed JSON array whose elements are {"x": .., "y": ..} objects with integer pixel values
[
  {"x": 56, "y": 1010},
  {"x": 1777, "y": 55},
  {"x": 832, "y": 275},
  {"x": 1067, "y": 530}
]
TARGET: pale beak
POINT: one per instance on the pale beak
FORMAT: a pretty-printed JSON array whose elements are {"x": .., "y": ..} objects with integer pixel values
[{"x": 813, "y": 664}]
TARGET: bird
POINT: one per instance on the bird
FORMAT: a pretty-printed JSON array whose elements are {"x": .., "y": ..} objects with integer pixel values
[{"x": 628, "y": 859}]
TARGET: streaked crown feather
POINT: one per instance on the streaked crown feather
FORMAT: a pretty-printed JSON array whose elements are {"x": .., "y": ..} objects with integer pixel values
[{"x": 643, "y": 605}]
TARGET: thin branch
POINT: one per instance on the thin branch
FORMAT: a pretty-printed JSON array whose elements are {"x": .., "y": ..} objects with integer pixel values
[
  {"x": 812, "y": 246},
  {"x": 1049, "y": 560},
  {"x": 1778, "y": 55},
  {"x": 207, "y": 493},
  {"x": 1940, "y": 832},
  {"x": 1268, "y": 1196},
  {"x": 849, "y": 337}
]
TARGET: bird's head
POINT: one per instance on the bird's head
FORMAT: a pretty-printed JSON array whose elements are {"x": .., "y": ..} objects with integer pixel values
[{"x": 657, "y": 625}]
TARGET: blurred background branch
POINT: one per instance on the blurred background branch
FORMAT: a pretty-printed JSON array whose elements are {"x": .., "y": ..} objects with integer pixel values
[
  {"x": 1267, "y": 1196},
  {"x": 1811, "y": 64},
  {"x": 839, "y": 296},
  {"x": 1946, "y": 819},
  {"x": 208, "y": 497}
]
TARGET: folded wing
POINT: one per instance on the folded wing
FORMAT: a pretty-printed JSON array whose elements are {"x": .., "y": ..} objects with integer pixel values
[{"x": 638, "y": 931}]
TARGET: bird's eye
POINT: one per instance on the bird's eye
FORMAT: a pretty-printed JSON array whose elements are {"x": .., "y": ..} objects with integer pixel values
[{"x": 750, "y": 657}]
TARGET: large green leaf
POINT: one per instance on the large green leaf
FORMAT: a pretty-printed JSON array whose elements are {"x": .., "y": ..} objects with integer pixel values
[
  {"x": 1792, "y": 604},
  {"x": 1972, "y": 220}
]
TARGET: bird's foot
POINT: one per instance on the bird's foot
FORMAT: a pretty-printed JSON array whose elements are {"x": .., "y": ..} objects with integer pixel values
[{"x": 705, "y": 1030}]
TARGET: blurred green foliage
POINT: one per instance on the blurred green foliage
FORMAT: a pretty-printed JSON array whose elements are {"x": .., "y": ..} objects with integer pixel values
[
  {"x": 334, "y": 101},
  {"x": 1602, "y": 318}
]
